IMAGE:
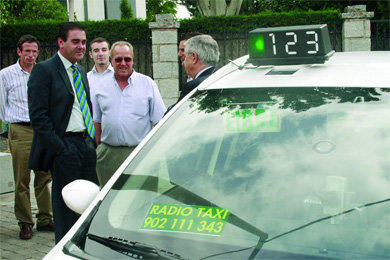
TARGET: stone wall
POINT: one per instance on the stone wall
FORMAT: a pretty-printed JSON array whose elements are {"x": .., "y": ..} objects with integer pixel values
[
  {"x": 164, "y": 56},
  {"x": 356, "y": 31}
]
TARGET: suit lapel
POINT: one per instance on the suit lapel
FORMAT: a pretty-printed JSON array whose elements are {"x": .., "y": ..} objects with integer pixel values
[
  {"x": 65, "y": 78},
  {"x": 207, "y": 72},
  {"x": 64, "y": 75}
]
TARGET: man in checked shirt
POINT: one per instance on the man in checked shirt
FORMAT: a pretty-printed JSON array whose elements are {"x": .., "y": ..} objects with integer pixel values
[{"x": 14, "y": 110}]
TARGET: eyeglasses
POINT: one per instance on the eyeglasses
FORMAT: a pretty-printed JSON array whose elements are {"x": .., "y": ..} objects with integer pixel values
[{"x": 119, "y": 59}]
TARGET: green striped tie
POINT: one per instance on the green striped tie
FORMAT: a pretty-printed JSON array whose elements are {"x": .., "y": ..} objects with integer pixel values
[{"x": 82, "y": 98}]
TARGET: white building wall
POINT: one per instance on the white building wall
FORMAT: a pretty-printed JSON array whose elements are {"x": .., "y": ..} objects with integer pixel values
[
  {"x": 95, "y": 10},
  {"x": 139, "y": 8},
  {"x": 78, "y": 10}
]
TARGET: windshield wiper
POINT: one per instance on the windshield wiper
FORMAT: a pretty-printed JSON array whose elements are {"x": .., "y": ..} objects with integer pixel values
[
  {"x": 328, "y": 217},
  {"x": 134, "y": 249},
  {"x": 261, "y": 241},
  {"x": 255, "y": 252}
]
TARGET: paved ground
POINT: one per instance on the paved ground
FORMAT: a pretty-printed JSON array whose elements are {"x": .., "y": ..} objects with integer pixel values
[{"x": 13, "y": 248}]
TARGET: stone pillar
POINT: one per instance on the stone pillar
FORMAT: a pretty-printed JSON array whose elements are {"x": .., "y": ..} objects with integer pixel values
[
  {"x": 356, "y": 32},
  {"x": 6, "y": 173},
  {"x": 165, "y": 60}
]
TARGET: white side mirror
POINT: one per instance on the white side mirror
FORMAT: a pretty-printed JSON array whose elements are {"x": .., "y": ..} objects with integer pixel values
[{"x": 79, "y": 194}]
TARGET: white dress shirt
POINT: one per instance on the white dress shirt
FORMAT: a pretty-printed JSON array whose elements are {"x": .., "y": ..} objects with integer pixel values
[
  {"x": 13, "y": 94},
  {"x": 76, "y": 121},
  {"x": 127, "y": 116},
  {"x": 94, "y": 77}
]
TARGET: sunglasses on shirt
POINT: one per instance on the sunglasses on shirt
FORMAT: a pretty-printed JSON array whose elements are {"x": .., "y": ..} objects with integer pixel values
[{"x": 119, "y": 59}]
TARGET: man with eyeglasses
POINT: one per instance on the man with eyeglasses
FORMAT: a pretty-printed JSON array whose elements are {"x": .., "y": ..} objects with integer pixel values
[{"x": 126, "y": 106}]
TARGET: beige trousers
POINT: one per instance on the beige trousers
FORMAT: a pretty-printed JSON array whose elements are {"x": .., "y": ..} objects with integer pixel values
[
  {"x": 20, "y": 139},
  {"x": 109, "y": 158}
]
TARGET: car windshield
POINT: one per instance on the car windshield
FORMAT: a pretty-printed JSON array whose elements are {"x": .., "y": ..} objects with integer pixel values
[{"x": 233, "y": 169}]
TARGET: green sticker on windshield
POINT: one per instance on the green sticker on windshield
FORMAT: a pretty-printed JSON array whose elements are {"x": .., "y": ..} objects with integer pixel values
[
  {"x": 186, "y": 218},
  {"x": 253, "y": 120}
]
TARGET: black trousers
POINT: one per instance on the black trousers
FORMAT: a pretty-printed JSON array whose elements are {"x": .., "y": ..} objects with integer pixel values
[{"x": 76, "y": 161}]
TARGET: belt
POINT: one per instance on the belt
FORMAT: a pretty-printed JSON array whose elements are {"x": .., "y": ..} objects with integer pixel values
[
  {"x": 22, "y": 123},
  {"x": 79, "y": 134}
]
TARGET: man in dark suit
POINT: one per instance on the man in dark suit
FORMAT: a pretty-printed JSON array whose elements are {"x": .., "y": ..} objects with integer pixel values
[
  {"x": 200, "y": 58},
  {"x": 63, "y": 139},
  {"x": 190, "y": 85},
  {"x": 182, "y": 42}
]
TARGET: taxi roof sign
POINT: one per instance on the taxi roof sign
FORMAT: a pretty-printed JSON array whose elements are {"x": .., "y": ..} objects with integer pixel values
[{"x": 306, "y": 44}]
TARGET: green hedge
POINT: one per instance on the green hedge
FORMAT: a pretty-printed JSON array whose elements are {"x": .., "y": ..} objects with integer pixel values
[
  {"x": 232, "y": 24},
  {"x": 115, "y": 30},
  {"x": 43, "y": 30},
  {"x": 136, "y": 29},
  {"x": 47, "y": 31}
]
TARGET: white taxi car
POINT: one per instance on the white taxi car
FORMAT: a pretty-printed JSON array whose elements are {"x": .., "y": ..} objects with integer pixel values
[{"x": 284, "y": 153}]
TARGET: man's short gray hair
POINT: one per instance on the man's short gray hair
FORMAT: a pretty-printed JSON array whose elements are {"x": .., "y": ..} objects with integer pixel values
[{"x": 206, "y": 47}]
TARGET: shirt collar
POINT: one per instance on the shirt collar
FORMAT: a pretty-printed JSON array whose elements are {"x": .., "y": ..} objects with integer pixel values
[
  {"x": 109, "y": 68},
  {"x": 132, "y": 77},
  {"x": 20, "y": 67},
  {"x": 200, "y": 72},
  {"x": 130, "y": 80},
  {"x": 65, "y": 61}
]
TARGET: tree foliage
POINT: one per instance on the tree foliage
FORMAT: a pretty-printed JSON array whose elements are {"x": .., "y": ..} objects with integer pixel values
[
  {"x": 31, "y": 10},
  {"x": 212, "y": 7},
  {"x": 248, "y": 7},
  {"x": 126, "y": 11},
  {"x": 380, "y": 7},
  {"x": 43, "y": 9},
  {"x": 191, "y": 7},
  {"x": 154, "y": 7},
  {"x": 10, "y": 9},
  {"x": 219, "y": 7}
]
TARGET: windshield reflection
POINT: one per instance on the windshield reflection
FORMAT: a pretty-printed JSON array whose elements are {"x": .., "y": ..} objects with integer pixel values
[{"x": 277, "y": 159}]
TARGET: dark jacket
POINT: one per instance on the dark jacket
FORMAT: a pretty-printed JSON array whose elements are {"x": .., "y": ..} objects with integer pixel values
[
  {"x": 50, "y": 101},
  {"x": 190, "y": 85}
]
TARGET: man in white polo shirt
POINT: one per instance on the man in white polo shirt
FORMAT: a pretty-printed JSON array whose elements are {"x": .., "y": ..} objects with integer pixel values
[{"x": 126, "y": 106}]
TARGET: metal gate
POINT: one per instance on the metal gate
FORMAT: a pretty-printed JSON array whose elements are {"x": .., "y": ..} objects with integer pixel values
[{"x": 380, "y": 35}]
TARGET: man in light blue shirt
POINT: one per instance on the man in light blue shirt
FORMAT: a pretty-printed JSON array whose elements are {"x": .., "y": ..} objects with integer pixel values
[{"x": 126, "y": 107}]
